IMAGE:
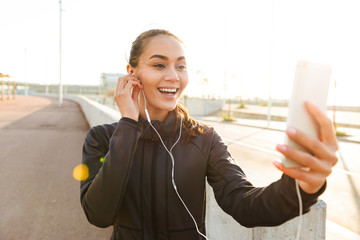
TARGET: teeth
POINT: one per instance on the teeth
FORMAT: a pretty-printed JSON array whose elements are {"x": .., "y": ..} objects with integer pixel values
[{"x": 168, "y": 90}]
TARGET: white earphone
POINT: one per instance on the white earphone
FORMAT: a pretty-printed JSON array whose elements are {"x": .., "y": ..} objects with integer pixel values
[{"x": 173, "y": 163}]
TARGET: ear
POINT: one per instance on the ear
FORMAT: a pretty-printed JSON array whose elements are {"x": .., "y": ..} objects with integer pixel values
[{"x": 129, "y": 69}]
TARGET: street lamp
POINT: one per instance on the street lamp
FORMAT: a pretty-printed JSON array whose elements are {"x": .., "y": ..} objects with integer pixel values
[
  {"x": 60, "y": 83},
  {"x": 271, "y": 63}
]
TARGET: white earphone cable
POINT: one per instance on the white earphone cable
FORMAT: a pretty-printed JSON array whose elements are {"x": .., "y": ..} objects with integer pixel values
[
  {"x": 300, "y": 210},
  {"x": 173, "y": 165},
  {"x": 175, "y": 187}
]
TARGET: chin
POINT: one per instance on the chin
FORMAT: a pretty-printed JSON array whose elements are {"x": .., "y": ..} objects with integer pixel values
[{"x": 169, "y": 107}]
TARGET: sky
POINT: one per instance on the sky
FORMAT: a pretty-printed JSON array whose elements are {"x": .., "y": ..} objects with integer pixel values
[{"x": 243, "y": 48}]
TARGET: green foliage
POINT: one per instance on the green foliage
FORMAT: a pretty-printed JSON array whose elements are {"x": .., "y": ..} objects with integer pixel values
[
  {"x": 241, "y": 106},
  {"x": 341, "y": 133},
  {"x": 227, "y": 118},
  {"x": 263, "y": 104}
]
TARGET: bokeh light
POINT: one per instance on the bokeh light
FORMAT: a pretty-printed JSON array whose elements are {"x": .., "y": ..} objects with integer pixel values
[{"x": 81, "y": 172}]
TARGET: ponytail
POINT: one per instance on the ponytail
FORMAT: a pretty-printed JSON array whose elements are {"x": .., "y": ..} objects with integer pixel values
[{"x": 190, "y": 125}]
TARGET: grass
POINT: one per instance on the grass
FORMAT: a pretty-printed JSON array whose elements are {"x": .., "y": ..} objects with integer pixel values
[
  {"x": 241, "y": 106},
  {"x": 227, "y": 118},
  {"x": 263, "y": 104},
  {"x": 342, "y": 133}
]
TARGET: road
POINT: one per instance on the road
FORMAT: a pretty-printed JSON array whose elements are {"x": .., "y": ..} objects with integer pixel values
[
  {"x": 254, "y": 150},
  {"x": 40, "y": 144}
]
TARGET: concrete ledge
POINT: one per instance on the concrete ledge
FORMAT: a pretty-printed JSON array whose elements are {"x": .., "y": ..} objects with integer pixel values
[
  {"x": 95, "y": 113},
  {"x": 220, "y": 225},
  {"x": 202, "y": 107}
]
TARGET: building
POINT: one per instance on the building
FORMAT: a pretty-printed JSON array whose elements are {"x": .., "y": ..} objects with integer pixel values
[{"x": 109, "y": 80}]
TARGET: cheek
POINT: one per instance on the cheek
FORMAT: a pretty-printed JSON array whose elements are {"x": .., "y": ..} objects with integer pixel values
[
  {"x": 145, "y": 79},
  {"x": 185, "y": 84},
  {"x": 185, "y": 81}
]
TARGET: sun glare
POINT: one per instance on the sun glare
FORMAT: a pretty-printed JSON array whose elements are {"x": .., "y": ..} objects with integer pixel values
[{"x": 81, "y": 172}]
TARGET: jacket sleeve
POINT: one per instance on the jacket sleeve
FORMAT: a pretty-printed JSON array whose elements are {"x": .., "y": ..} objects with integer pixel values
[
  {"x": 252, "y": 206},
  {"x": 102, "y": 192}
]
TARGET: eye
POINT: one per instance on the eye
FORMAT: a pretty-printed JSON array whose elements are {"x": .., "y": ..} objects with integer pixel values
[
  {"x": 182, "y": 67},
  {"x": 159, "y": 65}
]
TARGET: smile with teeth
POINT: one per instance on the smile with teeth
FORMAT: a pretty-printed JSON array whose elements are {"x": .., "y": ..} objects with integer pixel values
[{"x": 168, "y": 91}]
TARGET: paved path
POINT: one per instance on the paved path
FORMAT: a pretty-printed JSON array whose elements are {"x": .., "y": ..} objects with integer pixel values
[
  {"x": 256, "y": 116},
  {"x": 350, "y": 118},
  {"x": 254, "y": 150},
  {"x": 40, "y": 144}
]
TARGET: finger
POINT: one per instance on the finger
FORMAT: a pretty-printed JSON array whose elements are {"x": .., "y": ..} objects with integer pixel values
[
  {"x": 314, "y": 145},
  {"x": 327, "y": 131},
  {"x": 117, "y": 88},
  {"x": 306, "y": 159},
  {"x": 309, "y": 181},
  {"x": 122, "y": 81},
  {"x": 135, "y": 92},
  {"x": 295, "y": 173},
  {"x": 120, "y": 84},
  {"x": 130, "y": 84},
  {"x": 131, "y": 78}
]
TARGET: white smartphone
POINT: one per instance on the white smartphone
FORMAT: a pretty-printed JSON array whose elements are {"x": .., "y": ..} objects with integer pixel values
[{"x": 311, "y": 84}]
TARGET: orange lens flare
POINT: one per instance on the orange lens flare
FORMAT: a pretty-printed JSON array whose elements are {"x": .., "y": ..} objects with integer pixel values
[{"x": 81, "y": 172}]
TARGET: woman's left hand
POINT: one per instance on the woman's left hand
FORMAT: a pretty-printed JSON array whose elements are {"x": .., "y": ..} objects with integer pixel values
[{"x": 318, "y": 165}]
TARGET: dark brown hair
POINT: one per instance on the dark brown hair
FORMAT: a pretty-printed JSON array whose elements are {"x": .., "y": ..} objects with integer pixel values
[
  {"x": 190, "y": 125},
  {"x": 140, "y": 43}
]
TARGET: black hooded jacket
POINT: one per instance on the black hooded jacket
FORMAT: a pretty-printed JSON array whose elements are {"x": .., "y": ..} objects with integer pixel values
[{"x": 129, "y": 184}]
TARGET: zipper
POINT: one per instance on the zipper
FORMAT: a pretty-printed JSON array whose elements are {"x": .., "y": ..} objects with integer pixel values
[{"x": 153, "y": 191}]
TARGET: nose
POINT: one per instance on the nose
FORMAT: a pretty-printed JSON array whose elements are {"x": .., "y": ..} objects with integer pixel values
[{"x": 172, "y": 75}]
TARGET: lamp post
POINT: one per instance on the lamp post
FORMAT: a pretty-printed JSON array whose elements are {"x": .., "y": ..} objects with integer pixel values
[
  {"x": 60, "y": 83},
  {"x": 271, "y": 64}
]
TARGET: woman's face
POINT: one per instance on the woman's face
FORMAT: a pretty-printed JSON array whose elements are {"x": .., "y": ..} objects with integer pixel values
[{"x": 163, "y": 73}]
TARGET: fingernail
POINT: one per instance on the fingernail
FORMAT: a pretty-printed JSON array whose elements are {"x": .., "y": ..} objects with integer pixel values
[
  {"x": 277, "y": 163},
  {"x": 282, "y": 148},
  {"x": 311, "y": 103},
  {"x": 291, "y": 131}
]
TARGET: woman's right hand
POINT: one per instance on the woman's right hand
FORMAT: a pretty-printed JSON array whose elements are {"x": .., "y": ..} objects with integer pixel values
[{"x": 127, "y": 100}]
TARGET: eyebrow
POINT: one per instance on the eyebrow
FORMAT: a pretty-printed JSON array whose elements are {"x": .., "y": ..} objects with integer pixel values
[{"x": 165, "y": 57}]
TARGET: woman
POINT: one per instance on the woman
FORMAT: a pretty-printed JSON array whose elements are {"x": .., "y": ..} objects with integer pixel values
[{"x": 133, "y": 188}]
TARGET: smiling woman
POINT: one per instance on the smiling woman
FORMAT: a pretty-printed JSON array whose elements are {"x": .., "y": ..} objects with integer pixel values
[
  {"x": 161, "y": 69},
  {"x": 151, "y": 184}
]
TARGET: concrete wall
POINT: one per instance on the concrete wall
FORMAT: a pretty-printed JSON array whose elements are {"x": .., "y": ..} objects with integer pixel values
[
  {"x": 222, "y": 226},
  {"x": 95, "y": 113},
  {"x": 219, "y": 225},
  {"x": 196, "y": 106},
  {"x": 202, "y": 107}
]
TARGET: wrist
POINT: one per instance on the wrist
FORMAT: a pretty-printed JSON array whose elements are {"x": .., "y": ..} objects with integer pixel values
[
  {"x": 132, "y": 117},
  {"x": 311, "y": 189}
]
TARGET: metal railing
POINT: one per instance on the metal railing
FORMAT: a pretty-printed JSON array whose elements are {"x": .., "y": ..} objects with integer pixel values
[{"x": 10, "y": 89}]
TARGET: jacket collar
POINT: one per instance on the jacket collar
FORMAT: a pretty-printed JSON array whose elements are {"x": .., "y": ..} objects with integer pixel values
[{"x": 166, "y": 129}]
